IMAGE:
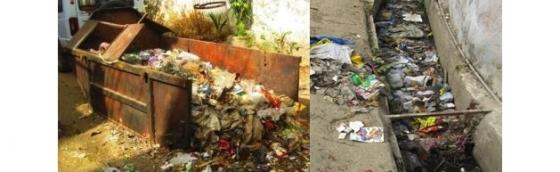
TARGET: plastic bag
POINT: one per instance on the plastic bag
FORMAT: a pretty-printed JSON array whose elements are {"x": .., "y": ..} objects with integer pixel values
[{"x": 334, "y": 51}]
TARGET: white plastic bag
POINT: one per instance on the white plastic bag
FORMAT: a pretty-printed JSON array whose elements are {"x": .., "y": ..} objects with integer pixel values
[{"x": 332, "y": 51}]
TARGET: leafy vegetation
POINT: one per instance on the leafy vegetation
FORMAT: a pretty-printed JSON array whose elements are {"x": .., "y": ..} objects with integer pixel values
[
  {"x": 220, "y": 21},
  {"x": 242, "y": 11},
  {"x": 277, "y": 43}
]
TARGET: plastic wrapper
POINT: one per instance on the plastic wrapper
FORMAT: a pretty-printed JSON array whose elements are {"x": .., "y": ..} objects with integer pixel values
[
  {"x": 406, "y": 31},
  {"x": 368, "y": 135},
  {"x": 412, "y": 17},
  {"x": 356, "y": 131},
  {"x": 334, "y": 51}
]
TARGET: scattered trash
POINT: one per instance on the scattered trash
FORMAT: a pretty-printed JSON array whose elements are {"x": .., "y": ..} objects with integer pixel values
[
  {"x": 446, "y": 97},
  {"x": 412, "y": 17},
  {"x": 78, "y": 154},
  {"x": 406, "y": 31},
  {"x": 346, "y": 79},
  {"x": 95, "y": 133},
  {"x": 129, "y": 167},
  {"x": 357, "y": 59},
  {"x": 334, "y": 39},
  {"x": 368, "y": 135},
  {"x": 357, "y": 132},
  {"x": 85, "y": 110},
  {"x": 278, "y": 150},
  {"x": 334, "y": 51},
  {"x": 110, "y": 169},
  {"x": 181, "y": 161}
]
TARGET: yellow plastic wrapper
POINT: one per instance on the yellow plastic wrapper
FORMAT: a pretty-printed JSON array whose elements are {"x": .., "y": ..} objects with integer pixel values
[
  {"x": 426, "y": 122},
  {"x": 357, "y": 59}
]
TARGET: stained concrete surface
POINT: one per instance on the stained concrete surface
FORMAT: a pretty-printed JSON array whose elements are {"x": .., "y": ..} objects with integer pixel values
[
  {"x": 328, "y": 153},
  {"x": 345, "y": 19}
]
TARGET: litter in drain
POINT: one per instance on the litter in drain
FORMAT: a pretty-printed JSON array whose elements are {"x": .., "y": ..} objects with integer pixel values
[{"x": 430, "y": 133}]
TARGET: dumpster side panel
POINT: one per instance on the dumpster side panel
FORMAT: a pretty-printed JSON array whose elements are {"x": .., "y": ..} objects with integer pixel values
[
  {"x": 121, "y": 96},
  {"x": 121, "y": 113},
  {"x": 248, "y": 63},
  {"x": 207, "y": 51},
  {"x": 171, "y": 109},
  {"x": 123, "y": 82},
  {"x": 82, "y": 75},
  {"x": 281, "y": 73}
]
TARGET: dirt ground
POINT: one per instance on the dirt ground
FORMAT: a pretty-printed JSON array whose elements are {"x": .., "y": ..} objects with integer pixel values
[
  {"x": 88, "y": 142},
  {"x": 348, "y": 20}
]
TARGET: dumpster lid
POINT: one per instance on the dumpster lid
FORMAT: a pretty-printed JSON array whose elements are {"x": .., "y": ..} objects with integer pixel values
[
  {"x": 116, "y": 47},
  {"x": 86, "y": 29}
]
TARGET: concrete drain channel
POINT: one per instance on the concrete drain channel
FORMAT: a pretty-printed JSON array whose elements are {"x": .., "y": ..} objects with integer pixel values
[{"x": 428, "y": 132}]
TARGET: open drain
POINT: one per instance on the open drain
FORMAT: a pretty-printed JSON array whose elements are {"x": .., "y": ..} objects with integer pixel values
[{"x": 430, "y": 134}]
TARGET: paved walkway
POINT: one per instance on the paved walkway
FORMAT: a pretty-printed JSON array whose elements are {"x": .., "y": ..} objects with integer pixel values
[{"x": 344, "y": 19}]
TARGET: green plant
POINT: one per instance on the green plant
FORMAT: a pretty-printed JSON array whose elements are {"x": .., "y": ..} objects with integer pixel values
[
  {"x": 283, "y": 45},
  {"x": 249, "y": 39},
  {"x": 277, "y": 43},
  {"x": 219, "y": 21},
  {"x": 241, "y": 10},
  {"x": 293, "y": 46}
]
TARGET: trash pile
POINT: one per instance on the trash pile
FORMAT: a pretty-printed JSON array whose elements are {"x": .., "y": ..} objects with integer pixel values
[
  {"x": 240, "y": 125},
  {"x": 341, "y": 75},
  {"x": 417, "y": 84}
]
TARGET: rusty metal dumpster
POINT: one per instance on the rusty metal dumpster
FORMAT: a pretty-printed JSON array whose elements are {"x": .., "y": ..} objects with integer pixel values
[{"x": 157, "y": 105}]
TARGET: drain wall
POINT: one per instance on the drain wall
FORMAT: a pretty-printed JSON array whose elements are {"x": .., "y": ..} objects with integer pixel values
[{"x": 468, "y": 91}]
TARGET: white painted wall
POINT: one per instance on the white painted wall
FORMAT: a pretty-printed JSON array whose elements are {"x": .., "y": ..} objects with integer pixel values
[
  {"x": 282, "y": 16},
  {"x": 478, "y": 24}
]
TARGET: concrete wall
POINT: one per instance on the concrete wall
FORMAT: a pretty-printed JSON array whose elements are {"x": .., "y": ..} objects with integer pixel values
[
  {"x": 468, "y": 90},
  {"x": 478, "y": 27},
  {"x": 282, "y": 16}
]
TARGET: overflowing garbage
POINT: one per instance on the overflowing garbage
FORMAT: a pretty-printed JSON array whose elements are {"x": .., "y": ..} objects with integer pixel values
[
  {"x": 240, "y": 124},
  {"x": 417, "y": 85},
  {"x": 341, "y": 75}
]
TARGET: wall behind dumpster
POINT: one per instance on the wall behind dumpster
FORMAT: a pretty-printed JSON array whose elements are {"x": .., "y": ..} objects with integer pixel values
[
  {"x": 282, "y": 16},
  {"x": 478, "y": 25},
  {"x": 270, "y": 19}
]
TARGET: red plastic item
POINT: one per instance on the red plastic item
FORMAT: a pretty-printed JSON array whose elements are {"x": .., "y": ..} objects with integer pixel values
[
  {"x": 274, "y": 101},
  {"x": 225, "y": 146},
  {"x": 269, "y": 125}
]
